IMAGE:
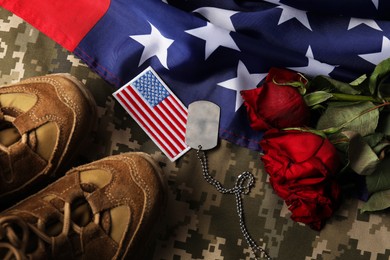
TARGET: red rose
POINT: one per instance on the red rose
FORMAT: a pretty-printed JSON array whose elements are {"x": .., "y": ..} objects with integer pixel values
[
  {"x": 274, "y": 105},
  {"x": 302, "y": 167}
]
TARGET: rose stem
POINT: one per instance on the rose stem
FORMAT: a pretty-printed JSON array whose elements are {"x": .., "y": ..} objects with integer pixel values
[{"x": 348, "y": 97}]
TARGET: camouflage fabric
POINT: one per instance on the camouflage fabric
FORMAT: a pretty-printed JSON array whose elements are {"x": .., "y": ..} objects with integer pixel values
[{"x": 200, "y": 223}]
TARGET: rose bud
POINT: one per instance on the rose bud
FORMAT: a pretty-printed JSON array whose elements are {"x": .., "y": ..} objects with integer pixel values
[{"x": 274, "y": 105}]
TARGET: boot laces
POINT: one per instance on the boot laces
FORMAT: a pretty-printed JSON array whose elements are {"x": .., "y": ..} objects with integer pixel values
[{"x": 15, "y": 234}]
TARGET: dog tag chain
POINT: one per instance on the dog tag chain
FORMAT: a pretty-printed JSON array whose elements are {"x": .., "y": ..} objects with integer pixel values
[{"x": 202, "y": 134}]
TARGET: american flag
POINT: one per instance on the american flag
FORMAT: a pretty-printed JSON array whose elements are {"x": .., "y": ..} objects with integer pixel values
[
  {"x": 212, "y": 49},
  {"x": 157, "y": 110}
]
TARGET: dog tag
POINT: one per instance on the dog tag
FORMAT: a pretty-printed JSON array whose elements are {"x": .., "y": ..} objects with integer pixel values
[{"x": 202, "y": 125}]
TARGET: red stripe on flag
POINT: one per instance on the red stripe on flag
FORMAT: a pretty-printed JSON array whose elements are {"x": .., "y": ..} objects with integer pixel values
[
  {"x": 178, "y": 134},
  {"x": 174, "y": 117},
  {"x": 181, "y": 108},
  {"x": 171, "y": 122},
  {"x": 182, "y": 115}
]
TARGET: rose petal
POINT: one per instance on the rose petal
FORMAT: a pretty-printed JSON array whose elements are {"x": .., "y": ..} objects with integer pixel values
[
  {"x": 299, "y": 146},
  {"x": 251, "y": 104}
]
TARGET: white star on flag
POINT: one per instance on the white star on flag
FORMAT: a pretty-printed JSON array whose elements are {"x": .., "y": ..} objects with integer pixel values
[
  {"x": 314, "y": 67},
  {"x": 377, "y": 57},
  {"x": 357, "y": 21},
  {"x": 155, "y": 44},
  {"x": 214, "y": 36},
  {"x": 376, "y": 3},
  {"x": 217, "y": 16},
  {"x": 273, "y": 1},
  {"x": 243, "y": 81},
  {"x": 289, "y": 13}
]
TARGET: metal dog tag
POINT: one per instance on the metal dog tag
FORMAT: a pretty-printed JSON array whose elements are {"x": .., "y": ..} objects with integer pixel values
[
  {"x": 202, "y": 134},
  {"x": 202, "y": 125}
]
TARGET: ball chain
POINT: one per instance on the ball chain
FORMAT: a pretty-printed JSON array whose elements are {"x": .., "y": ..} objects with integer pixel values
[{"x": 243, "y": 185}]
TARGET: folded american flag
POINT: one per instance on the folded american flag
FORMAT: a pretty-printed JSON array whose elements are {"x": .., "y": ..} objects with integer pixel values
[{"x": 212, "y": 49}]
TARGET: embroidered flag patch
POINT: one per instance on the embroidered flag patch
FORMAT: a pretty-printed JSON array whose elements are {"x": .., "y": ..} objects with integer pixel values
[{"x": 157, "y": 110}]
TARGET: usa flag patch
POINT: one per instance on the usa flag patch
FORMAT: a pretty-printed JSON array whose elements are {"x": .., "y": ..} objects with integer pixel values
[{"x": 157, "y": 110}]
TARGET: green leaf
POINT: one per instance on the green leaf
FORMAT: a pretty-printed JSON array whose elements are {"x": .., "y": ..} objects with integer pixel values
[
  {"x": 316, "y": 98},
  {"x": 318, "y": 107},
  {"x": 301, "y": 86},
  {"x": 378, "y": 142},
  {"x": 378, "y": 201},
  {"x": 324, "y": 82},
  {"x": 381, "y": 149},
  {"x": 331, "y": 130},
  {"x": 359, "y": 80},
  {"x": 373, "y": 139},
  {"x": 379, "y": 180},
  {"x": 350, "y": 116},
  {"x": 381, "y": 71},
  {"x": 362, "y": 159}
]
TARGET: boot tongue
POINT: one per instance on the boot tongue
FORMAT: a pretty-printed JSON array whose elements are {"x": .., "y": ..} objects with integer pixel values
[
  {"x": 105, "y": 222},
  {"x": 11, "y": 106},
  {"x": 88, "y": 187},
  {"x": 9, "y": 136},
  {"x": 81, "y": 212},
  {"x": 8, "y": 133},
  {"x": 105, "y": 217}
]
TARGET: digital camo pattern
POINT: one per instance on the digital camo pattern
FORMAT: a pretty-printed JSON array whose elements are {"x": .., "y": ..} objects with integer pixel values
[{"x": 200, "y": 223}]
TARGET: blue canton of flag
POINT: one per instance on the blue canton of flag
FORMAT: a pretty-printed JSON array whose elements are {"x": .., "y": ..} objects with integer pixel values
[{"x": 151, "y": 88}]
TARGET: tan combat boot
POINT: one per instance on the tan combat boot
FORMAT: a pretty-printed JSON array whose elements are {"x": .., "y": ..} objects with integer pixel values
[
  {"x": 42, "y": 120},
  {"x": 103, "y": 210}
]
